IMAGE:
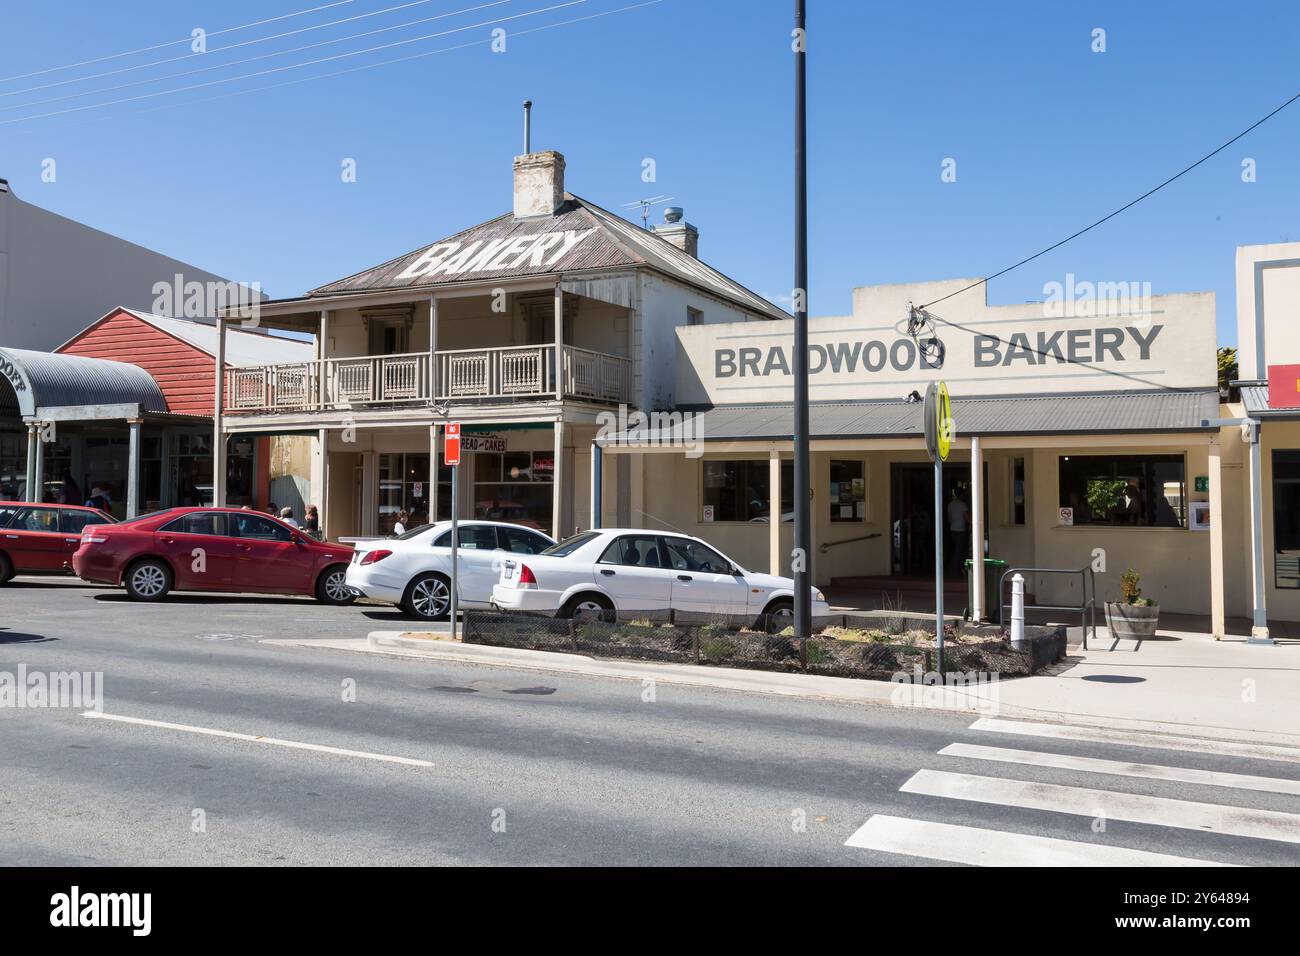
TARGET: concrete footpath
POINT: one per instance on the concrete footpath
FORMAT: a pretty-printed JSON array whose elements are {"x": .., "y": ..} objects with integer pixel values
[{"x": 1182, "y": 682}]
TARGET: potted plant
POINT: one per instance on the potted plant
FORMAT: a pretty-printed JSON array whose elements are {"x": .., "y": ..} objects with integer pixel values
[{"x": 1133, "y": 616}]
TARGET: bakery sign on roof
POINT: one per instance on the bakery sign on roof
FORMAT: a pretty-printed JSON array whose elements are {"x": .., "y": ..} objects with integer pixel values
[{"x": 538, "y": 250}]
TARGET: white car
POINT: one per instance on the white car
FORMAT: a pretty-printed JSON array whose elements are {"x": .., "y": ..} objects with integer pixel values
[
  {"x": 413, "y": 570},
  {"x": 635, "y": 573}
]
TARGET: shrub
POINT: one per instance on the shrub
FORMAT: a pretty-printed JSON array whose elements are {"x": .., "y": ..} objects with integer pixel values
[{"x": 1130, "y": 592}]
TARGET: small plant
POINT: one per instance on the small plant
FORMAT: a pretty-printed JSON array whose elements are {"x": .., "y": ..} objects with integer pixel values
[
  {"x": 817, "y": 654},
  {"x": 894, "y": 621},
  {"x": 1130, "y": 591},
  {"x": 715, "y": 648}
]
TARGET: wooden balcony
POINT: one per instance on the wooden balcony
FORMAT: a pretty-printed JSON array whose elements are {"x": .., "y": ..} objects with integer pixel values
[{"x": 470, "y": 375}]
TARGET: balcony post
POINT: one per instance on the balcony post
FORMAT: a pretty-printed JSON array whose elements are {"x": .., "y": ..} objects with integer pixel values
[
  {"x": 322, "y": 346},
  {"x": 433, "y": 349},
  {"x": 218, "y": 420},
  {"x": 559, "y": 345},
  {"x": 557, "y": 479}
]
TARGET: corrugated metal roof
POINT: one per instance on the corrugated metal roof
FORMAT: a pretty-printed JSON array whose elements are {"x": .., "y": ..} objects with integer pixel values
[
  {"x": 51, "y": 380},
  {"x": 602, "y": 240},
  {"x": 243, "y": 349},
  {"x": 1060, "y": 414},
  {"x": 1255, "y": 398}
]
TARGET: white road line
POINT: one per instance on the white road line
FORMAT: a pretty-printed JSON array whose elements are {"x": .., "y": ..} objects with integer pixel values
[
  {"x": 979, "y": 847},
  {"x": 255, "y": 739},
  {"x": 1225, "y": 748},
  {"x": 1135, "y": 808},
  {"x": 1122, "y": 768}
]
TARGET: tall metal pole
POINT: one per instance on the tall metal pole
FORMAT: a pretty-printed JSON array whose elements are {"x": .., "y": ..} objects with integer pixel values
[
  {"x": 454, "y": 607},
  {"x": 938, "y": 562},
  {"x": 802, "y": 558}
]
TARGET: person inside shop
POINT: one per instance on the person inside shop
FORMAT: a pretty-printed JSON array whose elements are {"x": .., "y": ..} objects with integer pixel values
[
  {"x": 403, "y": 519},
  {"x": 69, "y": 493},
  {"x": 958, "y": 528},
  {"x": 286, "y": 515},
  {"x": 99, "y": 498},
  {"x": 311, "y": 521}
]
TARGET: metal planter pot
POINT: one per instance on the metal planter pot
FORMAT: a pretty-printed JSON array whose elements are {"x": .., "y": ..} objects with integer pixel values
[{"x": 1131, "y": 621}]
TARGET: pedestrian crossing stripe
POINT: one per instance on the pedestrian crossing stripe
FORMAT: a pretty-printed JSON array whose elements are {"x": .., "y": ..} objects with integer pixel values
[
  {"x": 1226, "y": 748},
  {"x": 1123, "y": 768},
  {"x": 981, "y": 847},
  {"x": 1131, "y": 807}
]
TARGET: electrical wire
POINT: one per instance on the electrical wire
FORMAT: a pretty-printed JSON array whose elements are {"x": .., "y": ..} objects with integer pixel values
[
  {"x": 291, "y": 66},
  {"x": 159, "y": 46},
  {"x": 223, "y": 49},
  {"x": 1126, "y": 206},
  {"x": 250, "y": 59}
]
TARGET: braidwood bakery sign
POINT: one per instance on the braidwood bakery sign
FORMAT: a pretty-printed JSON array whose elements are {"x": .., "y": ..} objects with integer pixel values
[{"x": 738, "y": 363}]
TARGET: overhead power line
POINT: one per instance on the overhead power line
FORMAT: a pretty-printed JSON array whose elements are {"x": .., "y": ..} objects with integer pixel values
[
  {"x": 223, "y": 49},
  {"x": 369, "y": 66},
  {"x": 1126, "y": 206},
  {"x": 250, "y": 59},
  {"x": 291, "y": 66},
  {"x": 159, "y": 46}
]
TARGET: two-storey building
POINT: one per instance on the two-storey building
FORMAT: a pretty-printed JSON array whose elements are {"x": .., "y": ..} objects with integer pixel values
[{"x": 466, "y": 329}]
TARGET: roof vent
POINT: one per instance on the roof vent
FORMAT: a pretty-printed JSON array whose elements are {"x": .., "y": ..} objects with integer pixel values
[{"x": 679, "y": 232}]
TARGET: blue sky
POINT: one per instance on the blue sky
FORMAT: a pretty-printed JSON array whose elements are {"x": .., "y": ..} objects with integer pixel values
[{"x": 1046, "y": 134}]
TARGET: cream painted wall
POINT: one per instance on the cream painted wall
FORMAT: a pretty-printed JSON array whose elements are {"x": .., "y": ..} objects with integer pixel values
[
  {"x": 1281, "y": 307},
  {"x": 1180, "y": 331}
]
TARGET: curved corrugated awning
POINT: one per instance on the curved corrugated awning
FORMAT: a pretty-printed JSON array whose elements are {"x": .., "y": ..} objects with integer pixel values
[{"x": 43, "y": 382}]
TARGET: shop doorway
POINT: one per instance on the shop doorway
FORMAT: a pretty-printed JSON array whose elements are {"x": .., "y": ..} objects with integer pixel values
[{"x": 911, "y": 518}]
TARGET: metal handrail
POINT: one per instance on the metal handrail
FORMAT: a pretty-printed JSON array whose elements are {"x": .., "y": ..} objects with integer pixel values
[
  {"x": 832, "y": 544},
  {"x": 1087, "y": 607}
]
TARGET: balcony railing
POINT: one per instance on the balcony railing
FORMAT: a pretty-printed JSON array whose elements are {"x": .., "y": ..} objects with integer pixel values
[{"x": 470, "y": 375}]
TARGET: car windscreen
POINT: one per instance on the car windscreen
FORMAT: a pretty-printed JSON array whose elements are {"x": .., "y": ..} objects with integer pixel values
[{"x": 570, "y": 545}]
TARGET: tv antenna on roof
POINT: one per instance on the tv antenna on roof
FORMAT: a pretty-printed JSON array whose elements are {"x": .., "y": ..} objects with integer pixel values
[{"x": 645, "y": 205}]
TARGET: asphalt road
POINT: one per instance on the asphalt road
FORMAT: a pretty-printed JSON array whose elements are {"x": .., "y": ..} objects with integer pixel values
[{"x": 527, "y": 768}]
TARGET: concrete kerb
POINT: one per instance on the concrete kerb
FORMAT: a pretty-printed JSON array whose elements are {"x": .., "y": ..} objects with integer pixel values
[{"x": 433, "y": 647}]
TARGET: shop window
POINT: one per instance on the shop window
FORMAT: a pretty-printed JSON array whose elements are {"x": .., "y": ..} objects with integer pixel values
[
  {"x": 514, "y": 486},
  {"x": 848, "y": 490},
  {"x": 741, "y": 490},
  {"x": 13, "y": 468},
  {"x": 694, "y": 316},
  {"x": 1286, "y": 518},
  {"x": 1127, "y": 490},
  {"x": 1016, "y": 491}
]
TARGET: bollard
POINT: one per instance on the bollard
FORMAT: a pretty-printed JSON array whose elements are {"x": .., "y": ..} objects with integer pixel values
[{"x": 1017, "y": 612}]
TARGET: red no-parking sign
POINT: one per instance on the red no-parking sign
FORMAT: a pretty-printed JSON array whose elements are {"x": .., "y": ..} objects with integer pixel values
[{"x": 451, "y": 444}]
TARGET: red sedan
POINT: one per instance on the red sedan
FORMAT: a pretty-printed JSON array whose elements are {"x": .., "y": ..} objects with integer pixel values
[
  {"x": 212, "y": 549},
  {"x": 41, "y": 539}
]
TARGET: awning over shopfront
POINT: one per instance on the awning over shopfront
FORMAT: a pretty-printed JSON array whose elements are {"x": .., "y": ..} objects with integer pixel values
[
  {"x": 47, "y": 385},
  {"x": 1061, "y": 414},
  {"x": 1255, "y": 400}
]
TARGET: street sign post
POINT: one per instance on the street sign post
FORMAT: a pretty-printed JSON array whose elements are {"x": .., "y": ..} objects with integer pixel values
[
  {"x": 937, "y": 413},
  {"x": 451, "y": 455}
]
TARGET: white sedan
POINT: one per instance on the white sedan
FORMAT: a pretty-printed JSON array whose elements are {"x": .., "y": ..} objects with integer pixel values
[
  {"x": 634, "y": 573},
  {"x": 413, "y": 570}
]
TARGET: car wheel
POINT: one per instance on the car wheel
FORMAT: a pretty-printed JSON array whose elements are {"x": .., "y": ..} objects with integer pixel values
[
  {"x": 588, "y": 606},
  {"x": 777, "y": 616},
  {"x": 148, "y": 580},
  {"x": 330, "y": 586},
  {"x": 6, "y": 568},
  {"x": 428, "y": 597}
]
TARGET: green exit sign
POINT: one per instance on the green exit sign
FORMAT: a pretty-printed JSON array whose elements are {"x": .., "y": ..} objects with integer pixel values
[{"x": 1202, "y": 482}]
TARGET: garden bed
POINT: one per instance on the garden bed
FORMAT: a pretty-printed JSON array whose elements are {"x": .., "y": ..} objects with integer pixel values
[{"x": 859, "y": 647}]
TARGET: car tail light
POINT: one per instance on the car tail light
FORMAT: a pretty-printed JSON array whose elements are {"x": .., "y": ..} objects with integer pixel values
[
  {"x": 526, "y": 575},
  {"x": 371, "y": 557}
]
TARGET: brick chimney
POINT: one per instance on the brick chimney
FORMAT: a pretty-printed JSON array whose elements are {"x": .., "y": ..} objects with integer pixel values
[
  {"x": 539, "y": 183},
  {"x": 680, "y": 233}
]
